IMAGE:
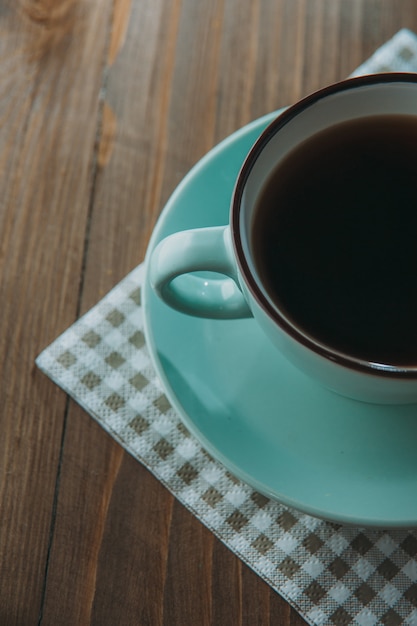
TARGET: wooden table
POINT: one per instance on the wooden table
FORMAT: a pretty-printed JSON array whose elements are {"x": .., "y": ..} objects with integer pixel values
[{"x": 105, "y": 105}]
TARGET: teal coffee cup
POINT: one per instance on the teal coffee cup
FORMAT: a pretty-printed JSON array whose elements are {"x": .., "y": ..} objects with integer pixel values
[{"x": 320, "y": 247}]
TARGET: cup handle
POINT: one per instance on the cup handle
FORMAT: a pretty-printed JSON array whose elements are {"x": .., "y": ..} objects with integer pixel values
[{"x": 198, "y": 250}]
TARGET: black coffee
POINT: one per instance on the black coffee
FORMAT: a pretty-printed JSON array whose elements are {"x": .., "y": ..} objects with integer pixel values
[{"x": 335, "y": 237}]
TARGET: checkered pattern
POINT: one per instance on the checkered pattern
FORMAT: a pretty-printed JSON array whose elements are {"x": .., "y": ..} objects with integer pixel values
[
  {"x": 331, "y": 574},
  {"x": 399, "y": 54}
]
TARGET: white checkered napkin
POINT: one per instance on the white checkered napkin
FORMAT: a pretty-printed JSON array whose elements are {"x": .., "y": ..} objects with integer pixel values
[
  {"x": 399, "y": 54},
  {"x": 329, "y": 573}
]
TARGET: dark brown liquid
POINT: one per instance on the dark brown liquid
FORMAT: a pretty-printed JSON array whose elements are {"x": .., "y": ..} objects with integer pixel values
[{"x": 335, "y": 238}]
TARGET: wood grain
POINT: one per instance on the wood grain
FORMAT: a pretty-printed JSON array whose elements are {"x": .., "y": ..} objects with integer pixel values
[
  {"x": 105, "y": 106},
  {"x": 47, "y": 137}
]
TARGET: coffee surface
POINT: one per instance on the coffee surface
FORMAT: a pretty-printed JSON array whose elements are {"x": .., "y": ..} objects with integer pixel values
[{"x": 335, "y": 238}]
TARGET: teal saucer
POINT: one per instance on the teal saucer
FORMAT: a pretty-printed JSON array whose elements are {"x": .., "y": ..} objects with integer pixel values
[{"x": 306, "y": 447}]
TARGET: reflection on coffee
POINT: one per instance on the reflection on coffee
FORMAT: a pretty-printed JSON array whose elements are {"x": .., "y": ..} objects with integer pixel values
[{"x": 335, "y": 237}]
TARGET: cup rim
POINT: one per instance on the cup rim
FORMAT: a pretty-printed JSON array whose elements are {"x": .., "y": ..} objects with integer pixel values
[{"x": 292, "y": 329}]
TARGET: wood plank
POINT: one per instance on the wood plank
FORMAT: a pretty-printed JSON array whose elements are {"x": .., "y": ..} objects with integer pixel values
[
  {"x": 129, "y": 178},
  {"x": 49, "y": 84},
  {"x": 131, "y": 573},
  {"x": 189, "y": 559},
  {"x": 86, "y": 491}
]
